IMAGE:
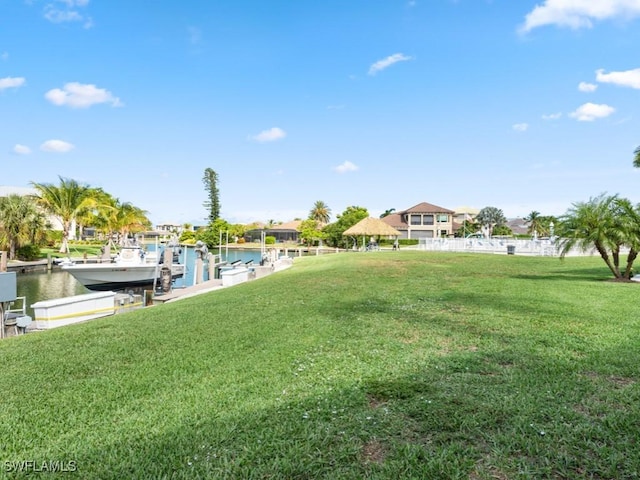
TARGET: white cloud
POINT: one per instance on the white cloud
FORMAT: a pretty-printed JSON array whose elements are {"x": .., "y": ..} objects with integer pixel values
[
  {"x": 62, "y": 11},
  {"x": 579, "y": 13},
  {"x": 387, "y": 62},
  {"x": 591, "y": 111},
  {"x": 270, "y": 135},
  {"x": 629, "y": 78},
  {"x": 521, "y": 127},
  {"x": 78, "y": 95},
  {"x": 57, "y": 146},
  {"x": 552, "y": 116},
  {"x": 74, "y": 3},
  {"x": 21, "y": 149},
  {"x": 11, "y": 82},
  {"x": 346, "y": 167},
  {"x": 587, "y": 87},
  {"x": 4, "y": 56}
]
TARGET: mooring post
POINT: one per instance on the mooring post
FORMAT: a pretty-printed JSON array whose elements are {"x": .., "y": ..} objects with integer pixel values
[
  {"x": 199, "y": 272},
  {"x": 212, "y": 266},
  {"x": 165, "y": 271},
  {"x": 201, "y": 252}
]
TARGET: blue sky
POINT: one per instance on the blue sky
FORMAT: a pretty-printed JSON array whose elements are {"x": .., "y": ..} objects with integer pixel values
[{"x": 522, "y": 105}]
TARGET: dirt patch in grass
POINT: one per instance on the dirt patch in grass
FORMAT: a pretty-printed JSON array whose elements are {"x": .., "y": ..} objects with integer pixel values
[
  {"x": 375, "y": 402},
  {"x": 374, "y": 452},
  {"x": 483, "y": 472},
  {"x": 618, "y": 381}
]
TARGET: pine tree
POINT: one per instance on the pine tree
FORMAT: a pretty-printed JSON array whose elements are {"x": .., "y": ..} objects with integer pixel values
[{"x": 212, "y": 204}]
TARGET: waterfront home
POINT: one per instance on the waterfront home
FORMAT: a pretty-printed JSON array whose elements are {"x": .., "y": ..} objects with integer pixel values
[
  {"x": 283, "y": 232},
  {"x": 423, "y": 220}
]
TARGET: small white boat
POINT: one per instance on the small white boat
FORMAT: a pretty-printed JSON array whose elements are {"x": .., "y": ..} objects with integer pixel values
[{"x": 130, "y": 268}]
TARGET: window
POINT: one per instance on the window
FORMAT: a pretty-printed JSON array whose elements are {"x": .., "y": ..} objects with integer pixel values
[
  {"x": 428, "y": 220},
  {"x": 415, "y": 219},
  {"x": 443, "y": 218}
]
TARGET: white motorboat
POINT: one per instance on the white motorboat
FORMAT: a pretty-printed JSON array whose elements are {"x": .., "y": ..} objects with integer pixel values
[{"x": 132, "y": 267}]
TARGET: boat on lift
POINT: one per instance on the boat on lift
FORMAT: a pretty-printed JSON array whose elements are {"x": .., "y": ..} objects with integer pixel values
[{"x": 133, "y": 266}]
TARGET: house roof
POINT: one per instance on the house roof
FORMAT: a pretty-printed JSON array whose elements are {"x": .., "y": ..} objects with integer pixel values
[
  {"x": 371, "y": 226},
  {"x": 292, "y": 225},
  {"x": 425, "y": 207},
  {"x": 518, "y": 226},
  {"x": 395, "y": 220}
]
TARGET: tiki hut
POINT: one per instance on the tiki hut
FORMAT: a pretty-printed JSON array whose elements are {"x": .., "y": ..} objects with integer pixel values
[{"x": 371, "y": 227}]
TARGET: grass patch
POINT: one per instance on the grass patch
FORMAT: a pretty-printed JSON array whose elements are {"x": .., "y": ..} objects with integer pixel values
[
  {"x": 379, "y": 365},
  {"x": 75, "y": 250}
]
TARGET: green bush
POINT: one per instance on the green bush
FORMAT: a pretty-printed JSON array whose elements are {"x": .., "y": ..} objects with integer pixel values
[
  {"x": 388, "y": 242},
  {"x": 269, "y": 240},
  {"x": 408, "y": 241},
  {"x": 54, "y": 237},
  {"x": 187, "y": 237},
  {"x": 28, "y": 252}
]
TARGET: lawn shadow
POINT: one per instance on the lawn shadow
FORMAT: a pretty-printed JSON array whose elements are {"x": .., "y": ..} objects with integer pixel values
[
  {"x": 469, "y": 415},
  {"x": 584, "y": 274}
]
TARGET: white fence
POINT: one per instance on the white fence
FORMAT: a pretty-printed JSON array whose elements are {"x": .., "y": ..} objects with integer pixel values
[{"x": 496, "y": 245}]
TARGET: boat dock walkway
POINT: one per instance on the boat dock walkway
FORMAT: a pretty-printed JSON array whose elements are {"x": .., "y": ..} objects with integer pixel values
[
  {"x": 185, "y": 292},
  {"x": 210, "y": 285}
]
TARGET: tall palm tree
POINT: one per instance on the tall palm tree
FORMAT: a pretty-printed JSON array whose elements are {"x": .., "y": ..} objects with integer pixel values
[
  {"x": 114, "y": 217},
  {"x": 130, "y": 219},
  {"x": 67, "y": 201},
  {"x": 606, "y": 223},
  {"x": 320, "y": 212},
  {"x": 636, "y": 157},
  {"x": 17, "y": 214}
]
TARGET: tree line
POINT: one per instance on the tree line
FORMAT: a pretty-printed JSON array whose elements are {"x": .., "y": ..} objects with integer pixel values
[
  {"x": 25, "y": 220},
  {"x": 608, "y": 224}
]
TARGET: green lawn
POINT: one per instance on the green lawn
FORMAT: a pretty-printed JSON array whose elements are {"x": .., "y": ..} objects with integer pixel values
[
  {"x": 361, "y": 365},
  {"x": 75, "y": 250}
]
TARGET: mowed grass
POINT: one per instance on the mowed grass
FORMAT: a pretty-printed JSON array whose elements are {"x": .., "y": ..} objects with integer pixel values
[{"x": 370, "y": 365}]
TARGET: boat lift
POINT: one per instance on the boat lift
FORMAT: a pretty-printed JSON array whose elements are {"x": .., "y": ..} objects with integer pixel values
[{"x": 14, "y": 320}]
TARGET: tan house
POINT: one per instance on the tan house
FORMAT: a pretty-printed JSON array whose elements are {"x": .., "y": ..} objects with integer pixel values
[{"x": 423, "y": 221}]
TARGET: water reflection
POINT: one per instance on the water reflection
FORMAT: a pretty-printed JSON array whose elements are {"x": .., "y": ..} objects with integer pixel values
[{"x": 46, "y": 286}]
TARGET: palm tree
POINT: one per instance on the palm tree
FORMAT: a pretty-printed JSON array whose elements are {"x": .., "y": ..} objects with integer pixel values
[
  {"x": 606, "y": 223},
  {"x": 387, "y": 212},
  {"x": 66, "y": 201},
  {"x": 17, "y": 214},
  {"x": 535, "y": 221},
  {"x": 636, "y": 157},
  {"x": 115, "y": 217},
  {"x": 320, "y": 212}
]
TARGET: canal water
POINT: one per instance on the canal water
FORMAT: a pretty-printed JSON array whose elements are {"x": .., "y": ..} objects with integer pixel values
[{"x": 42, "y": 286}]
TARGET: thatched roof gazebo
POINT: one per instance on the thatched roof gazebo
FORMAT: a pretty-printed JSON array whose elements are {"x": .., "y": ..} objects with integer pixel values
[{"x": 371, "y": 226}]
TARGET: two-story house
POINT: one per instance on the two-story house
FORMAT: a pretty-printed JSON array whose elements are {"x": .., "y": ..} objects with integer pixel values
[{"x": 423, "y": 221}]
